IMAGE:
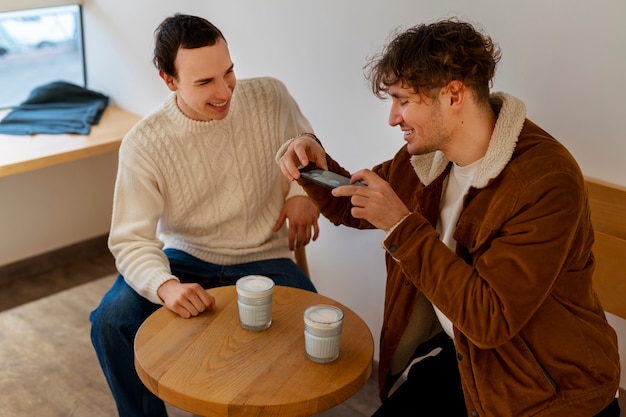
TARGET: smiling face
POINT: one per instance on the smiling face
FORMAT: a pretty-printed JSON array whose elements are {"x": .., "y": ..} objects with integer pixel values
[
  {"x": 422, "y": 120},
  {"x": 205, "y": 81}
]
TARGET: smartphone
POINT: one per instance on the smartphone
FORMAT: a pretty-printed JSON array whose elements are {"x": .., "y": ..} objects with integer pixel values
[{"x": 325, "y": 178}]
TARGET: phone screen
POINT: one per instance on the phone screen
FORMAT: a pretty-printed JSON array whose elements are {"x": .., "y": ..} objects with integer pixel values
[{"x": 325, "y": 178}]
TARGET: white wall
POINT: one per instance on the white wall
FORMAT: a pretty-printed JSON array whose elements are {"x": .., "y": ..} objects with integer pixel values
[
  {"x": 54, "y": 207},
  {"x": 564, "y": 58}
]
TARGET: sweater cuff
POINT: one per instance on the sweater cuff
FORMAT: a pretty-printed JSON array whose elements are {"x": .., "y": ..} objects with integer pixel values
[
  {"x": 281, "y": 151},
  {"x": 295, "y": 190},
  {"x": 150, "y": 291}
]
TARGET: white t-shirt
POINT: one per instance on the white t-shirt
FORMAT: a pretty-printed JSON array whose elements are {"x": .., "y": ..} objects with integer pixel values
[{"x": 457, "y": 185}]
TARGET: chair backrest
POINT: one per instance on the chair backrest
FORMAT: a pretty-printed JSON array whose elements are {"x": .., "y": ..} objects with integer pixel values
[
  {"x": 300, "y": 256},
  {"x": 608, "y": 214}
]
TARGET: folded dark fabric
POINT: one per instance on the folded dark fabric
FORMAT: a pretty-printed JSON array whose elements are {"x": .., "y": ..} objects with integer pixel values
[{"x": 56, "y": 108}]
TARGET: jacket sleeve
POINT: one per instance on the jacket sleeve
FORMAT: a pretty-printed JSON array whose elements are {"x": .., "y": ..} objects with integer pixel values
[
  {"x": 516, "y": 257},
  {"x": 336, "y": 209}
]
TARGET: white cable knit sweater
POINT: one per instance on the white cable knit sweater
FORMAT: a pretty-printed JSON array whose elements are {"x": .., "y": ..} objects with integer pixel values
[{"x": 211, "y": 189}]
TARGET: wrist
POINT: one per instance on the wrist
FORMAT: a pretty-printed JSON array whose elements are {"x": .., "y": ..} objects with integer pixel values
[
  {"x": 163, "y": 288},
  {"x": 396, "y": 224}
]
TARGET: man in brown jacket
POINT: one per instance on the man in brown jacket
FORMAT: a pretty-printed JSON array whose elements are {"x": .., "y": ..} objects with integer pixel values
[{"x": 489, "y": 304}]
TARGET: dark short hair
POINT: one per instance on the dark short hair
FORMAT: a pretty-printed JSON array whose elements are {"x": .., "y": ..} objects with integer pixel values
[
  {"x": 181, "y": 31},
  {"x": 427, "y": 57}
]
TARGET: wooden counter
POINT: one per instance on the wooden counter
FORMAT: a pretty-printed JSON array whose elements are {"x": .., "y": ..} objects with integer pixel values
[{"x": 27, "y": 153}]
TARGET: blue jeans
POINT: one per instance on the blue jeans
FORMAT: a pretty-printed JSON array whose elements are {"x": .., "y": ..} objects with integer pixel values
[{"x": 116, "y": 320}]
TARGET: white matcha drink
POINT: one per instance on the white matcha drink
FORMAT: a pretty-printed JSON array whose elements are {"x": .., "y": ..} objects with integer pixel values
[
  {"x": 322, "y": 332},
  {"x": 254, "y": 298}
]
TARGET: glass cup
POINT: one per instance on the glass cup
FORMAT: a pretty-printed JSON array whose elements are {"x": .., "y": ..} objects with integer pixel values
[
  {"x": 254, "y": 297},
  {"x": 322, "y": 332}
]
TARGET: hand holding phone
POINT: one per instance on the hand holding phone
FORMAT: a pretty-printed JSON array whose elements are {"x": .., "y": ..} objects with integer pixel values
[{"x": 325, "y": 178}]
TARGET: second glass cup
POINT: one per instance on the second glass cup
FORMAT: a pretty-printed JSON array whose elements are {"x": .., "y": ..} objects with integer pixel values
[
  {"x": 322, "y": 332},
  {"x": 254, "y": 299}
]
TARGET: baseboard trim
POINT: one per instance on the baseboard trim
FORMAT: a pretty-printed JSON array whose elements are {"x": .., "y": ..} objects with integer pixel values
[{"x": 39, "y": 264}]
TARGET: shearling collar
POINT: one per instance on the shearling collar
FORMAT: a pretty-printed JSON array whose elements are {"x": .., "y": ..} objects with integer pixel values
[{"x": 511, "y": 117}]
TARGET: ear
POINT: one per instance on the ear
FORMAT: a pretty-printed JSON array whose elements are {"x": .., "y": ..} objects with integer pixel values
[
  {"x": 456, "y": 93},
  {"x": 170, "y": 81}
]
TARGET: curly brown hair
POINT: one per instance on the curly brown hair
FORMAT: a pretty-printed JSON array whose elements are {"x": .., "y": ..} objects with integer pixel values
[
  {"x": 428, "y": 56},
  {"x": 181, "y": 31}
]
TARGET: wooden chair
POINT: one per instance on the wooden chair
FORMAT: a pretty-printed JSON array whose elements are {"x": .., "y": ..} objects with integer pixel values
[
  {"x": 608, "y": 214},
  {"x": 300, "y": 256}
]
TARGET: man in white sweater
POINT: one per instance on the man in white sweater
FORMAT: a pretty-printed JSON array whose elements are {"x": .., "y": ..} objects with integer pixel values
[{"x": 198, "y": 200}]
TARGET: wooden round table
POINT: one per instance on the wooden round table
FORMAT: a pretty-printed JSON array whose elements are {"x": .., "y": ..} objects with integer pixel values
[{"x": 210, "y": 366}]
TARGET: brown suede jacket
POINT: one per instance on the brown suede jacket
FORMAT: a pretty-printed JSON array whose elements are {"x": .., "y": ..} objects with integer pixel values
[{"x": 530, "y": 333}]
